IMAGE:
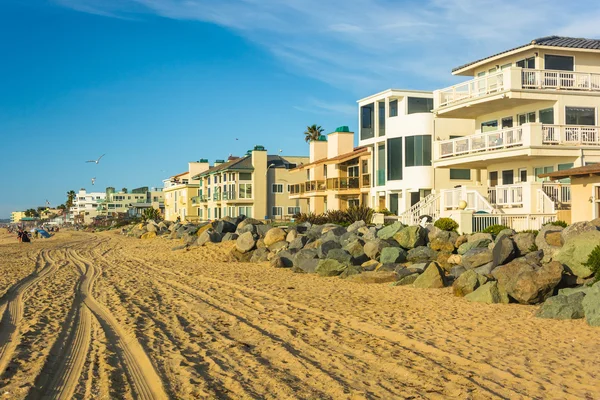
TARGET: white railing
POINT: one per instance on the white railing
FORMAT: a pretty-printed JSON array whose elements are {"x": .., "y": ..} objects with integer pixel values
[
  {"x": 545, "y": 203},
  {"x": 559, "y": 80},
  {"x": 558, "y": 192},
  {"x": 506, "y": 195},
  {"x": 495, "y": 140},
  {"x": 430, "y": 205},
  {"x": 471, "y": 89},
  {"x": 571, "y": 135},
  {"x": 518, "y": 222},
  {"x": 475, "y": 201}
]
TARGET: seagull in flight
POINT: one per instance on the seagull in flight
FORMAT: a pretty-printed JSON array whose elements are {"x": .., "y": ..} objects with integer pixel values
[
  {"x": 93, "y": 180},
  {"x": 96, "y": 161}
]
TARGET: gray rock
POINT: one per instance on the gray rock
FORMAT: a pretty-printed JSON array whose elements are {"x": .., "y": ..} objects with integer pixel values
[
  {"x": 476, "y": 244},
  {"x": 340, "y": 255},
  {"x": 563, "y": 307},
  {"x": 392, "y": 255},
  {"x": 260, "y": 255},
  {"x": 348, "y": 237},
  {"x": 325, "y": 247},
  {"x": 443, "y": 241},
  {"x": 576, "y": 229},
  {"x": 503, "y": 250},
  {"x": 549, "y": 240},
  {"x": 229, "y": 236},
  {"x": 298, "y": 243},
  {"x": 528, "y": 283},
  {"x": 476, "y": 237},
  {"x": 151, "y": 228},
  {"x": 287, "y": 258},
  {"x": 419, "y": 267},
  {"x": 371, "y": 277},
  {"x": 488, "y": 293},
  {"x": 278, "y": 246},
  {"x": 579, "y": 289},
  {"x": 330, "y": 267},
  {"x": 356, "y": 250},
  {"x": 277, "y": 262},
  {"x": 246, "y": 228},
  {"x": 373, "y": 248},
  {"x": 351, "y": 270},
  {"x": 411, "y": 237},
  {"x": 432, "y": 278},
  {"x": 331, "y": 236},
  {"x": 248, "y": 221},
  {"x": 457, "y": 271},
  {"x": 306, "y": 260},
  {"x": 222, "y": 226},
  {"x": 485, "y": 269},
  {"x": 262, "y": 230},
  {"x": 421, "y": 254},
  {"x": 370, "y": 265},
  {"x": 274, "y": 235},
  {"x": 356, "y": 225},
  {"x": 591, "y": 306},
  {"x": 467, "y": 283},
  {"x": 476, "y": 257},
  {"x": 407, "y": 280},
  {"x": 368, "y": 233},
  {"x": 525, "y": 243},
  {"x": 576, "y": 251},
  {"x": 208, "y": 235},
  {"x": 291, "y": 235},
  {"x": 245, "y": 242},
  {"x": 389, "y": 231},
  {"x": 334, "y": 228}
]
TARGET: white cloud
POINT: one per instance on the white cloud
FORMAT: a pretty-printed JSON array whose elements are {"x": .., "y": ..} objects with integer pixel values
[
  {"x": 316, "y": 106},
  {"x": 370, "y": 45}
]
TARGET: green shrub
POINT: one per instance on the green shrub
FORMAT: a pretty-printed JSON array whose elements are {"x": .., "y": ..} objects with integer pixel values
[
  {"x": 446, "y": 224},
  {"x": 336, "y": 217},
  {"x": 385, "y": 212},
  {"x": 557, "y": 223},
  {"x": 360, "y": 213},
  {"x": 151, "y": 214},
  {"x": 593, "y": 263},
  {"x": 495, "y": 229},
  {"x": 534, "y": 231},
  {"x": 315, "y": 219}
]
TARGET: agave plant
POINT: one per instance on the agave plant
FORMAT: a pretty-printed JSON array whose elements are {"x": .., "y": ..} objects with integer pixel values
[
  {"x": 336, "y": 216},
  {"x": 359, "y": 213}
]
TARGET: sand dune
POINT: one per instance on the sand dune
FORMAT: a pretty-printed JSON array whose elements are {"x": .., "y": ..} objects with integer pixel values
[{"x": 95, "y": 316}]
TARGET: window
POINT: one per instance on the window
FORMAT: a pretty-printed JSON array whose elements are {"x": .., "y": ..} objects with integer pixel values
[
  {"x": 381, "y": 117},
  {"x": 560, "y": 63},
  {"x": 580, "y": 116},
  {"x": 293, "y": 210},
  {"x": 245, "y": 176},
  {"x": 526, "y": 118},
  {"x": 224, "y": 177},
  {"x": 277, "y": 212},
  {"x": 493, "y": 178},
  {"x": 393, "y": 198},
  {"x": 353, "y": 203},
  {"x": 245, "y": 190},
  {"x": 547, "y": 116},
  {"x": 208, "y": 180},
  {"x": 394, "y": 159},
  {"x": 526, "y": 63},
  {"x": 381, "y": 165},
  {"x": 489, "y": 126},
  {"x": 365, "y": 167},
  {"x": 507, "y": 122},
  {"x": 562, "y": 167},
  {"x": 393, "y": 108},
  {"x": 418, "y": 150},
  {"x": 288, "y": 188},
  {"x": 464, "y": 174},
  {"x": 419, "y": 105},
  {"x": 208, "y": 192},
  {"x": 353, "y": 171},
  {"x": 505, "y": 66},
  {"x": 277, "y": 188},
  {"x": 542, "y": 170},
  {"x": 522, "y": 174},
  {"x": 507, "y": 177},
  {"x": 366, "y": 121},
  {"x": 247, "y": 211}
]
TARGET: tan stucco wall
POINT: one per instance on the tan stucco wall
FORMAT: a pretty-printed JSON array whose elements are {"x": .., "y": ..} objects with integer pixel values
[{"x": 582, "y": 189}]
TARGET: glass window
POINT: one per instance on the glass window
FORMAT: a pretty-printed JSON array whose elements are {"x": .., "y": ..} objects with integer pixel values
[
  {"x": 547, "y": 116},
  {"x": 507, "y": 177},
  {"x": 493, "y": 178},
  {"x": 489, "y": 126},
  {"x": 542, "y": 170},
  {"x": 526, "y": 63},
  {"x": 418, "y": 150},
  {"x": 562, "y": 167},
  {"x": 464, "y": 174},
  {"x": 580, "y": 116},
  {"x": 277, "y": 211},
  {"x": 381, "y": 116},
  {"x": 277, "y": 188},
  {"x": 393, "y": 108},
  {"x": 293, "y": 210},
  {"x": 353, "y": 171},
  {"x": 526, "y": 118},
  {"x": 394, "y": 159},
  {"x": 505, "y": 66},
  {"x": 560, "y": 63},
  {"x": 523, "y": 175},
  {"x": 394, "y": 203},
  {"x": 245, "y": 176},
  {"x": 366, "y": 121},
  {"x": 507, "y": 122},
  {"x": 381, "y": 165},
  {"x": 245, "y": 190},
  {"x": 419, "y": 105}
]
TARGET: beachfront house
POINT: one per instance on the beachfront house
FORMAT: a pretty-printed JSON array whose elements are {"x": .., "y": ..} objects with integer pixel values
[
  {"x": 535, "y": 111},
  {"x": 179, "y": 190},
  {"x": 337, "y": 175},
  {"x": 256, "y": 185},
  {"x": 16, "y": 216}
]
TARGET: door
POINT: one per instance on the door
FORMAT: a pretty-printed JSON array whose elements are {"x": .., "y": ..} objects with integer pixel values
[
  {"x": 414, "y": 198},
  {"x": 394, "y": 203},
  {"x": 381, "y": 202}
]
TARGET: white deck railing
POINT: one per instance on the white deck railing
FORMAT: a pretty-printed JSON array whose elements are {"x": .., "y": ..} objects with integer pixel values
[
  {"x": 544, "y": 203},
  {"x": 495, "y": 140},
  {"x": 506, "y": 195},
  {"x": 475, "y": 201},
  {"x": 471, "y": 89},
  {"x": 518, "y": 222},
  {"x": 559, "y": 80},
  {"x": 571, "y": 135},
  {"x": 558, "y": 192},
  {"x": 430, "y": 206}
]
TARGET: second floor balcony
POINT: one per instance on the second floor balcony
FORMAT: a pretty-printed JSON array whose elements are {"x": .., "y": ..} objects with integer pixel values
[{"x": 339, "y": 184}]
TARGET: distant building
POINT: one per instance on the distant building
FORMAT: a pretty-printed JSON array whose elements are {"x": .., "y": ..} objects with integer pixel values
[
  {"x": 16, "y": 216},
  {"x": 180, "y": 189}
]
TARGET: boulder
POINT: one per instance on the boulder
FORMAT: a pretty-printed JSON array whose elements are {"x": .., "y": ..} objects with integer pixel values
[
  {"x": 349, "y": 237},
  {"x": 330, "y": 268},
  {"x": 444, "y": 243},
  {"x": 326, "y": 247},
  {"x": 562, "y": 307},
  {"x": 411, "y": 237},
  {"x": 148, "y": 235},
  {"x": 260, "y": 243},
  {"x": 591, "y": 306},
  {"x": 299, "y": 242},
  {"x": 476, "y": 257},
  {"x": 476, "y": 244},
  {"x": 576, "y": 251},
  {"x": 260, "y": 255},
  {"x": 525, "y": 243},
  {"x": 248, "y": 221},
  {"x": 307, "y": 260},
  {"x": 335, "y": 229},
  {"x": 246, "y": 228},
  {"x": 356, "y": 250},
  {"x": 207, "y": 236},
  {"x": 462, "y": 239},
  {"x": 238, "y": 256},
  {"x": 262, "y": 230},
  {"x": 421, "y": 254},
  {"x": 457, "y": 271},
  {"x": 549, "y": 240},
  {"x": 245, "y": 242},
  {"x": 291, "y": 235},
  {"x": 351, "y": 271},
  {"x": 368, "y": 233},
  {"x": 229, "y": 236},
  {"x": 389, "y": 231},
  {"x": 577, "y": 229},
  {"x": 407, "y": 279},
  {"x": 467, "y": 283},
  {"x": 331, "y": 236},
  {"x": 274, "y": 235},
  {"x": 476, "y": 237},
  {"x": 151, "y": 228},
  {"x": 503, "y": 250},
  {"x": 374, "y": 277},
  {"x": 223, "y": 226},
  {"x": 340, "y": 255},
  {"x": 392, "y": 255},
  {"x": 455, "y": 259},
  {"x": 373, "y": 248},
  {"x": 371, "y": 265},
  {"x": 488, "y": 293},
  {"x": 287, "y": 258},
  {"x": 278, "y": 246},
  {"x": 277, "y": 262},
  {"x": 526, "y": 282},
  {"x": 485, "y": 269},
  {"x": 432, "y": 278},
  {"x": 356, "y": 225},
  {"x": 189, "y": 238},
  {"x": 442, "y": 260}
]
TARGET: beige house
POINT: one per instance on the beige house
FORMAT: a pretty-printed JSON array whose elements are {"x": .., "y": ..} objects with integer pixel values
[
  {"x": 179, "y": 190},
  {"x": 256, "y": 185},
  {"x": 16, "y": 216},
  {"x": 123, "y": 202},
  {"x": 338, "y": 176},
  {"x": 535, "y": 111}
]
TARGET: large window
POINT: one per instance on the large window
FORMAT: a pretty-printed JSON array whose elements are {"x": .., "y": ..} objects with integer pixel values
[
  {"x": 526, "y": 63},
  {"x": 508, "y": 177},
  {"x": 542, "y": 170},
  {"x": 464, "y": 174},
  {"x": 393, "y": 108},
  {"x": 526, "y": 118},
  {"x": 547, "y": 116},
  {"x": 580, "y": 116},
  {"x": 277, "y": 212},
  {"x": 366, "y": 121},
  {"x": 394, "y": 203},
  {"x": 561, "y": 63},
  {"x": 247, "y": 211},
  {"x": 489, "y": 126},
  {"x": 394, "y": 159},
  {"x": 418, "y": 150},
  {"x": 293, "y": 210},
  {"x": 419, "y": 105},
  {"x": 381, "y": 165},
  {"x": 277, "y": 188},
  {"x": 245, "y": 176},
  {"x": 245, "y": 190},
  {"x": 381, "y": 117}
]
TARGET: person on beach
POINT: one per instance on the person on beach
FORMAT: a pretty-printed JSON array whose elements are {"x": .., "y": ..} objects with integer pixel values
[{"x": 22, "y": 236}]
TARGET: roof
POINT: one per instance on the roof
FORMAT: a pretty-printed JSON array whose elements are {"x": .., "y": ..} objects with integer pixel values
[
  {"x": 593, "y": 169},
  {"x": 342, "y": 157},
  {"x": 244, "y": 163},
  {"x": 178, "y": 175},
  {"x": 547, "y": 41}
]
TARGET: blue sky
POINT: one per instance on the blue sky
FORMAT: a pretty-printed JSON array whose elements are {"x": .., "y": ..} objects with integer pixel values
[{"x": 157, "y": 83}]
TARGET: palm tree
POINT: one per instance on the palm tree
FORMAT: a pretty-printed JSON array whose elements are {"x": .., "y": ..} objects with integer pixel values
[
  {"x": 313, "y": 132},
  {"x": 70, "y": 197}
]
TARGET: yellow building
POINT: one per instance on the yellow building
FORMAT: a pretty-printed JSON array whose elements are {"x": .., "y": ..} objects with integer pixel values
[
  {"x": 16, "y": 216},
  {"x": 113, "y": 204},
  {"x": 180, "y": 189},
  {"x": 338, "y": 176},
  {"x": 256, "y": 185}
]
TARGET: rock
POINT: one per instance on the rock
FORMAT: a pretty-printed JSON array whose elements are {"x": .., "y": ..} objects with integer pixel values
[
  {"x": 260, "y": 243},
  {"x": 278, "y": 246},
  {"x": 326, "y": 247},
  {"x": 455, "y": 259},
  {"x": 291, "y": 235},
  {"x": 411, "y": 237},
  {"x": 340, "y": 255},
  {"x": 287, "y": 258},
  {"x": 576, "y": 251},
  {"x": 591, "y": 306},
  {"x": 298, "y": 243},
  {"x": 245, "y": 242},
  {"x": 277, "y": 262},
  {"x": 421, "y": 254},
  {"x": 467, "y": 283},
  {"x": 313, "y": 245},
  {"x": 442, "y": 260},
  {"x": 525, "y": 243},
  {"x": 229, "y": 236},
  {"x": 373, "y": 248},
  {"x": 303, "y": 227},
  {"x": 576, "y": 229},
  {"x": 183, "y": 246},
  {"x": 331, "y": 236},
  {"x": 389, "y": 231},
  {"x": 476, "y": 257},
  {"x": 528, "y": 283},
  {"x": 374, "y": 277},
  {"x": 246, "y": 228},
  {"x": 443, "y": 244},
  {"x": 549, "y": 240},
  {"x": 307, "y": 260},
  {"x": 356, "y": 250},
  {"x": 351, "y": 271},
  {"x": 248, "y": 221},
  {"x": 371, "y": 265},
  {"x": 407, "y": 280},
  {"x": 260, "y": 255},
  {"x": 485, "y": 269},
  {"x": 563, "y": 307},
  {"x": 403, "y": 271},
  {"x": 457, "y": 271},
  {"x": 503, "y": 250},
  {"x": 488, "y": 293},
  {"x": 330, "y": 268},
  {"x": 419, "y": 267},
  {"x": 349, "y": 237},
  {"x": 578, "y": 289},
  {"x": 223, "y": 226},
  {"x": 189, "y": 238},
  {"x": 151, "y": 228},
  {"x": 262, "y": 230},
  {"x": 356, "y": 225},
  {"x": 334, "y": 229},
  {"x": 368, "y": 233},
  {"x": 207, "y": 236},
  {"x": 476, "y": 237},
  {"x": 432, "y": 278},
  {"x": 476, "y": 244},
  {"x": 462, "y": 239},
  {"x": 238, "y": 256},
  {"x": 392, "y": 255},
  {"x": 148, "y": 235},
  {"x": 274, "y": 235}
]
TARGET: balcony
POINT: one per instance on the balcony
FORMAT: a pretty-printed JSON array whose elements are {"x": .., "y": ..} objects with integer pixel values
[
  {"x": 480, "y": 95},
  {"x": 506, "y": 195},
  {"x": 343, "y": 183},
  {"x": 231, "y": 195},
  {"x": 196, "y": 200},
  {"x": 527, "y": 140},
  {"x": 216, "y": 197},
  {"x": 340, "y": 184}
]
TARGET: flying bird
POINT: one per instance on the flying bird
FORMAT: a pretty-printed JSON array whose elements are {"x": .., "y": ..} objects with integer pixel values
[
  {"x": 96, "y": 161},
  {"x": 93, "y": 181},
  {"x": 47, "y": 202}
]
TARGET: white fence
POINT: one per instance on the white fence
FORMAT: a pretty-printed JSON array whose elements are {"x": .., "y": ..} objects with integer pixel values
[
  {"x": 571, "y": 135},
  {"x": 495, "y": 140},
  {"x": 515, "y": 221},
  {"x": 474, "y": 88},
  {"x": 506, "y": 195},
  {"x": 567, "y": 80}
]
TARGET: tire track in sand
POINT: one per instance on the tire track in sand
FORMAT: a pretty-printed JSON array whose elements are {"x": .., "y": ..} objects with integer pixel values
[
  {"x": 13, "y": 304},
  {"x": 143, "y": 377}
]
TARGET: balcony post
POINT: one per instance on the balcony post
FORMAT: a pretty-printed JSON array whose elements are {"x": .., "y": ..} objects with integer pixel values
[
  {"x": 532, "y": 134},
  {"x": 513, "y": 78}
]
